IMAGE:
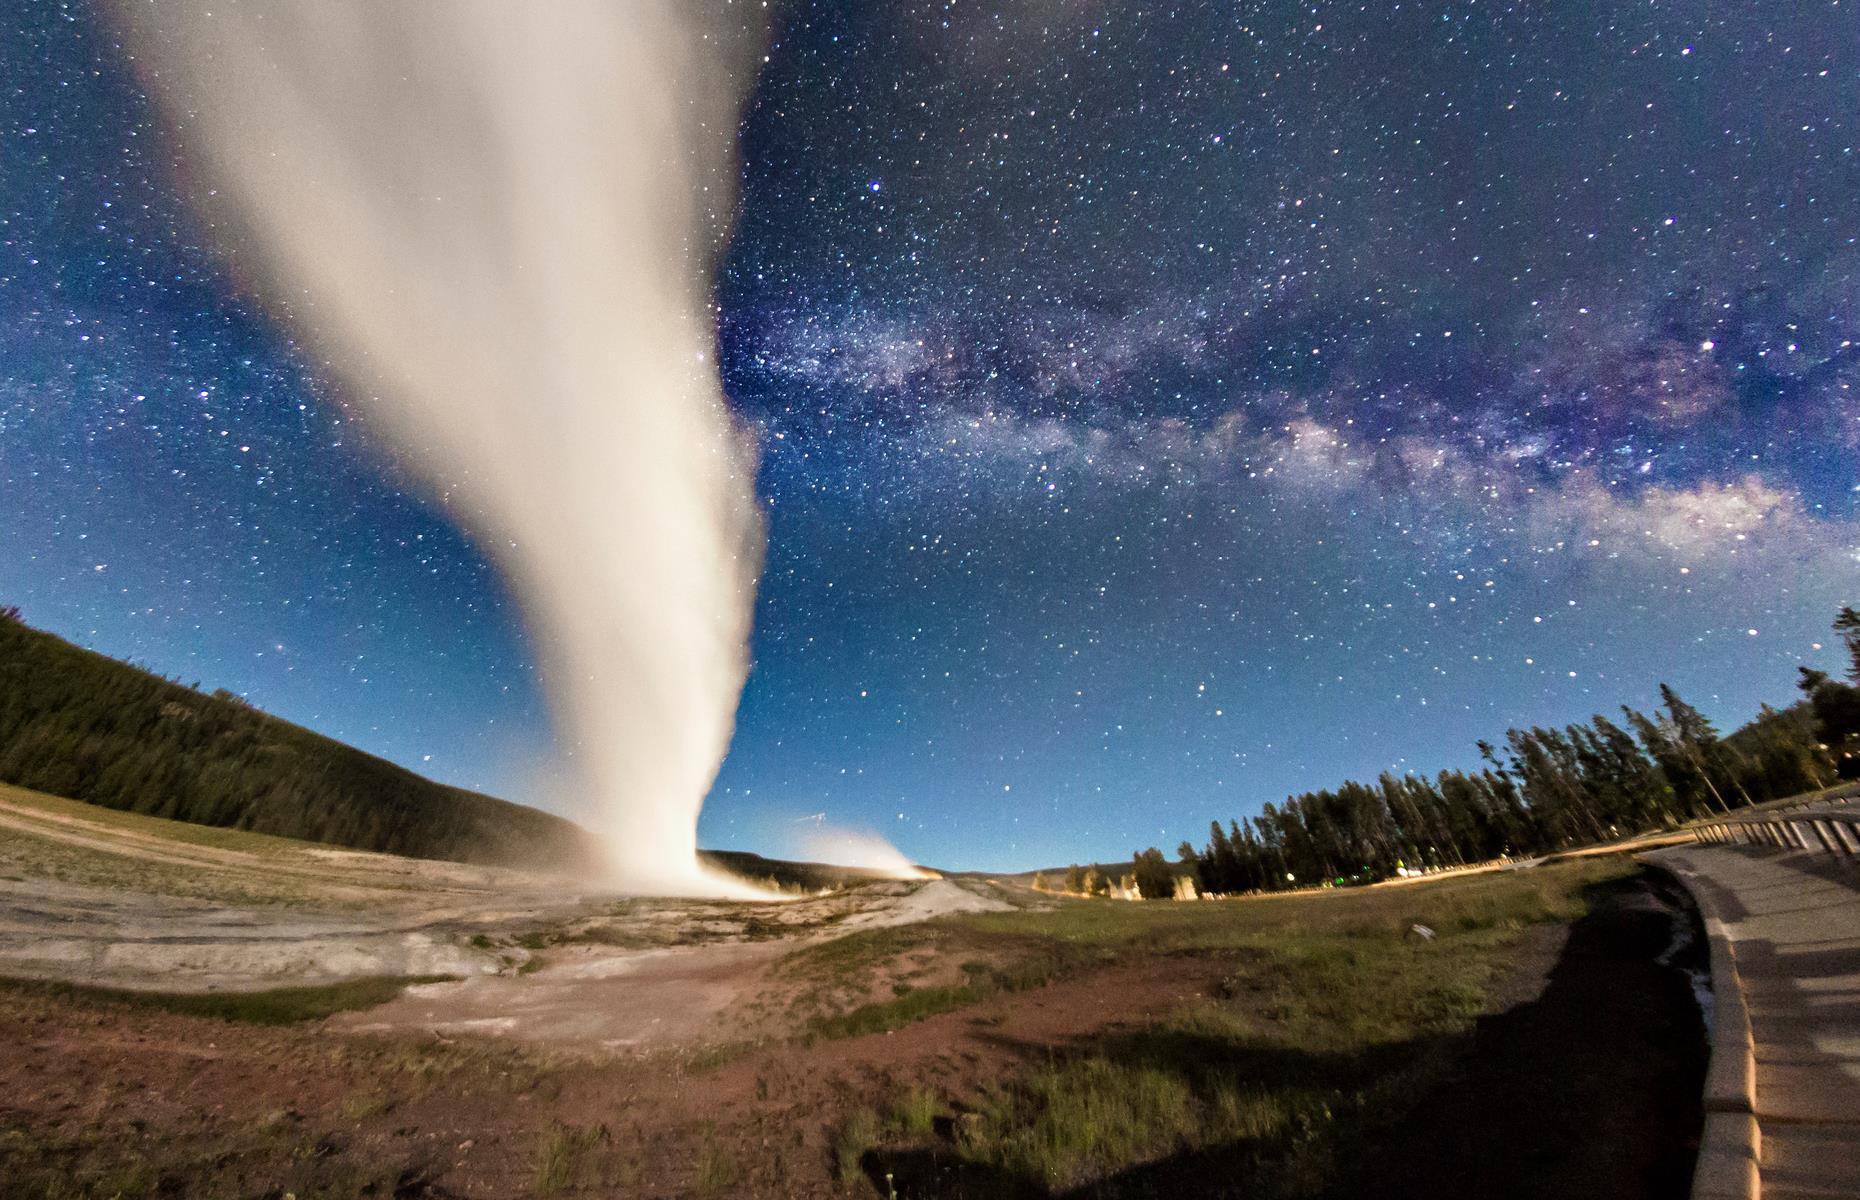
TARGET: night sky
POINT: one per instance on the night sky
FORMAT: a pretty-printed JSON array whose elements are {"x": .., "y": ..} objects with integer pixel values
[{"x": 1163, "y": 408}]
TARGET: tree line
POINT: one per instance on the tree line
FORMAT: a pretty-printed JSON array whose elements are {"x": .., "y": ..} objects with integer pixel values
[
  {"x": 1148, "y": 876},
  {"x": 77, "y": 724},
  {"x": 1545, "y": 789}
]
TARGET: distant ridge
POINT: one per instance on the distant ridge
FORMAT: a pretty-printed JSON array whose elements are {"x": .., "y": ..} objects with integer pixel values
[{"x": 75, "y": 723}]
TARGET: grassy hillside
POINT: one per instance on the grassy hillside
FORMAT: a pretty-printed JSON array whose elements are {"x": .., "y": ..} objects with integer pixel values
[{"x": 75, "y": 723}]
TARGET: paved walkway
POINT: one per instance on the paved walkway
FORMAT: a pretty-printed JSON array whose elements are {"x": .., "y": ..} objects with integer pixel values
[{"x": 1793, "y": 923}]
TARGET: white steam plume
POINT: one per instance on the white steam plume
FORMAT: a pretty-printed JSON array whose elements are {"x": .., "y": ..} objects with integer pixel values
[
  {"x": 859, "y": 848},
  {"x": 500, "y": 222}
]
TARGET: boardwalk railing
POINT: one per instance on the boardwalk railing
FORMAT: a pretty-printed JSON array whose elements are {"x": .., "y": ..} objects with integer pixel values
[{"x": 1815, "y": 829}]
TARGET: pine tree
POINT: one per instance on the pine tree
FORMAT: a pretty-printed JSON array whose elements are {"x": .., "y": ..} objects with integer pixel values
[
  {"x": 1699, "y": 740},
  {"x": 1219, "y": 865},
  {"x": 1837, "y": 719},
  {"x": 1847, "y": 627},
  {"x": 1633, "y": 774},
  {"x": 1681, "y": 772},
  {"x": 1151, "y": 875},
  {"x": 1542, "y": 785}
]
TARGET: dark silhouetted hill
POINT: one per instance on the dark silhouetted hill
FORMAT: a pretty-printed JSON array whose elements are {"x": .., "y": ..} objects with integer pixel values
[{"x": 78, "y": 724}]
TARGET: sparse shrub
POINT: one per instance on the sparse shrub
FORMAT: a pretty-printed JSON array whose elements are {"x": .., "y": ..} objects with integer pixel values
[
  {"x": 915, "y": 1112},
  {"x": 562, "y": 1155},
  {"x": 360, "y": 1105},
  {"x": 716, "y": 1054},
  {"x": 716, "y": 1170},
  {"x": 857, "y": 1136}
]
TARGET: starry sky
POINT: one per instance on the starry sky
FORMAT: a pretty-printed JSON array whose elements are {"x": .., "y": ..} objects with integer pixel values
[{"x": 1162, "y": 408}]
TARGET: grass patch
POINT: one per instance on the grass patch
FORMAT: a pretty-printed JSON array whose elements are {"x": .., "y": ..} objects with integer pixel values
[
  {"x": 564, "y": 1156},
  {"x": 37, "y": 853},
  {"x": 274, "y": 1006},
  {"x": 912, "y": 1004},
  {"x": 1210, "y": 1080},
  {"x": 845, "y": 958},
  {"x": 996, "y": 963},
  {"x": 884, "y": 1016},
  {"x": 126, "y": 850},
  {"x": 1064, "y": 1125},
  {"x": 1013, "y": 951},
  {"x": 1501, "y": 900},
  {"x": 212, "y": 837}
]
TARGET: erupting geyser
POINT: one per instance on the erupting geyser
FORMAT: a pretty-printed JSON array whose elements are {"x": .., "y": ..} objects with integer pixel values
[{"x": 500, "y": 222}]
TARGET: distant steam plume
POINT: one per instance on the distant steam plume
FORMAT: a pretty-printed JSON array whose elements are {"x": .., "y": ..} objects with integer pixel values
[
  {"x": 859, "y": 848},
  {"x": 500, "y": 222}
]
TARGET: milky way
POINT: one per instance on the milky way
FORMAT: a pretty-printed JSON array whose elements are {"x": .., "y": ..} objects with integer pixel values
[{"x": 1162, "y": 407}]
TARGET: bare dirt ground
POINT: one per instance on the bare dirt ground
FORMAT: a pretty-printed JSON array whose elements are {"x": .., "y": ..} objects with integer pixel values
[
  {"x": 227, "y": 1104},
  {"x": 590, "y": 995}
]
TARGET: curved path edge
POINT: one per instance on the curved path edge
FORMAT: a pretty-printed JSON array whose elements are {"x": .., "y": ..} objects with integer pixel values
[{"x": 1731, "y": 1143}]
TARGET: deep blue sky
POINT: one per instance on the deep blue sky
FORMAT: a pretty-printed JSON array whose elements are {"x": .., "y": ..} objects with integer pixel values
[{"x": 1163, "y": 408}]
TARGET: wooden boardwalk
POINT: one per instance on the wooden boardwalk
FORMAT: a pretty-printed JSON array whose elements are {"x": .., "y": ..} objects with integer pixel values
[{"x": 1784, "y": 1088}]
